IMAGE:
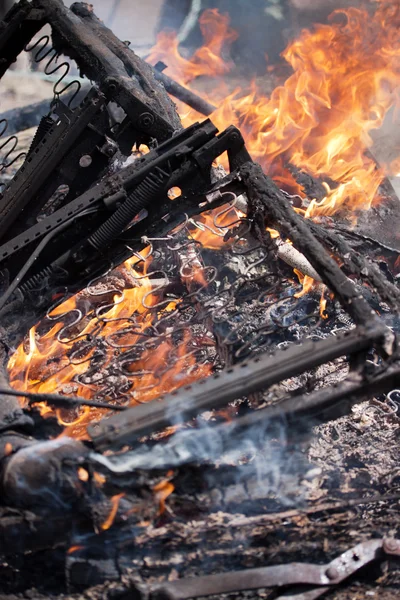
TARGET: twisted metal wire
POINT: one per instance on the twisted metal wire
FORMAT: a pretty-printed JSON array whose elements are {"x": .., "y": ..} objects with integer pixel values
[
  {"x": 8, "y": 147},
  {"x": 42, "y": 50},
  {"x": 191, "y": 306}
]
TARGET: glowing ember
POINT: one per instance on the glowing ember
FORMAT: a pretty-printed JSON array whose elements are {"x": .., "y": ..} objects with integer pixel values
[
  {"x": 8, "y": 449},
  {"x": 73, "y": 549},
  {"x": 322, "y": 306},
  {"x": 83, "y": 474}
]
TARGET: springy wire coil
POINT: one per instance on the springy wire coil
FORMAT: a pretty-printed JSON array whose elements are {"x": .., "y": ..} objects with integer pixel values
[
  {"x": 151, "y": 187},
  {"x": 7, "y": 148},
  {"x": 42, "y": 50},
  {"x": 36, "y": 282}
]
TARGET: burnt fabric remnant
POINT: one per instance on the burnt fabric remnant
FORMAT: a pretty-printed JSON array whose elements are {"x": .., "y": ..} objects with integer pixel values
[{"x": 199, "y": 357}]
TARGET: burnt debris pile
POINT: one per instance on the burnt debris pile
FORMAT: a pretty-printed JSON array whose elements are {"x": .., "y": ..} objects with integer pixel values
[{"x": 179, "y": 416}]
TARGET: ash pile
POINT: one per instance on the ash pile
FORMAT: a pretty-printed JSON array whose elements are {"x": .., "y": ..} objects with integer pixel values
[{"x": 200, "y": 371}]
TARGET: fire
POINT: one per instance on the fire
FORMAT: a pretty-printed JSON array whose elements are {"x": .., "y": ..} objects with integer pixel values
[
  {"x": 83, "y": 474},
  {"x": 307, "y": 282},
  {"x": 310, "y": 285},
  {"x": 162, "y": 491},
  {"x": 59, "y": 359},
  {"x": 113, "y": 512},
  {"x": 207, "y": 60},
  {"x": 394, "y": 167},
  {"x": 345, "y": 78},
  {"x": 8, "y": 449},
  {"x": 213, "y": 226},
  {"x": 322, "y": 306},
  {"x": 73, "y": 549}
]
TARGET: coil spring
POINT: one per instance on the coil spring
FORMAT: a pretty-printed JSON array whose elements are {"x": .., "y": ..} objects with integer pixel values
[
  {"x": 36, "y": 281},
  {"x": 45, "y": 51},
  {"x": 10, "y": 144},
  {"x": 153, "y": 184},
  {"x": 346, "y": 320}
]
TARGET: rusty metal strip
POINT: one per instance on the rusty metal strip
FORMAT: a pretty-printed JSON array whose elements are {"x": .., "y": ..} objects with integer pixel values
[{"x": 322, "y": 576}]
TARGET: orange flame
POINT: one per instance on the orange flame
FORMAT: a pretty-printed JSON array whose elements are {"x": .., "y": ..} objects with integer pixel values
[
  {"x": 51, "y": 361},
  {"x": 113, "y": 512},
  {"x": 73, "y": 549},
  {"x": 307, "y": 282},
  {"x": 163, "y": 490},
  {"x": 346, "y": 76},
  {"x": 322, "y": 306},
  {"x": 8, "y": 449},
  {"x": 207, "y": 60}
]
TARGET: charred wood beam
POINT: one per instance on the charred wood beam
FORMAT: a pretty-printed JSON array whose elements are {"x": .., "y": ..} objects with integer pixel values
[
  {"x": 268, "y": 202},
  {"x": 223, "y": 387},
  {"x": 73, "y": 37},
  {"x": 206, "y": 546},
  {"x": 42, "y": 474},
  {"x": 25, "y": 117},
  {"x": 23, "y": 532},
  {"x": 134, "y": 65}
]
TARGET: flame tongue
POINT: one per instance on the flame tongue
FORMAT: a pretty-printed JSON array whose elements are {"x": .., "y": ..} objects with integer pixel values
[
  {"x": 207, "y": 60},
  {"x": 345, "y": 78}
]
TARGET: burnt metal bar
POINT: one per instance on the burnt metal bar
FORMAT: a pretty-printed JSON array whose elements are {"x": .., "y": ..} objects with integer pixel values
[
  {"x": 135, "y": 65},
  {"x": 57, "y": 399},
  {"x": 323, "y": 576},
  {"x": 221, "y": 388},
  {"x": 186, "y": 160},
  {"x": 326, "y": 403},
  {"x": 269, "y": 202},
  {"x": 185, "y": 95},
  {"x": 37, "y": 169}
]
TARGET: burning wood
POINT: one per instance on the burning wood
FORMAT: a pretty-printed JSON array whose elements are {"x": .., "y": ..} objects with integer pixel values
[{"x": 188, "y": 318}]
